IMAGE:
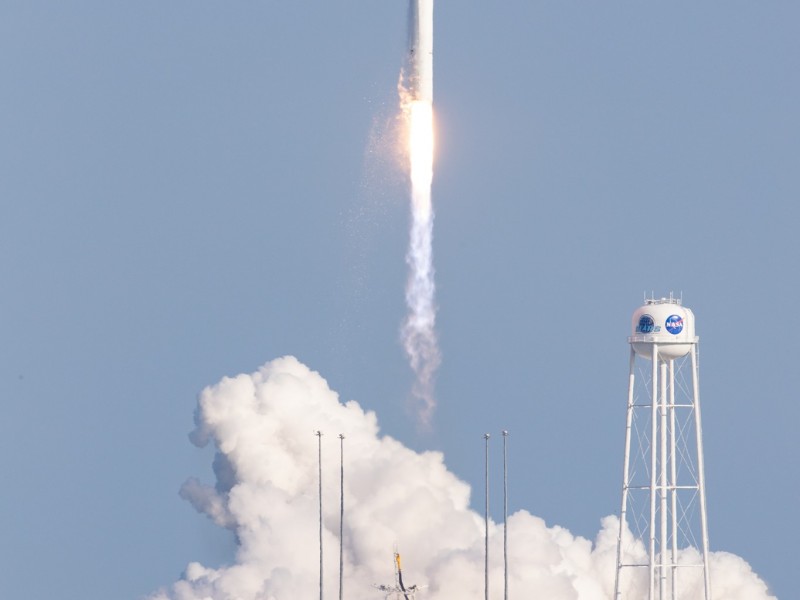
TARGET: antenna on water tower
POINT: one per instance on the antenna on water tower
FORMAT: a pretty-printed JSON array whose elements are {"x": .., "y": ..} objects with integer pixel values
[{"x": 663, "y": 473}]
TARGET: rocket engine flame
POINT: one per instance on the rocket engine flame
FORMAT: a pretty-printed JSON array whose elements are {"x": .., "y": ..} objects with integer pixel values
[
  {"x": 420, "y": 144},
  {"x": 419, "y": 329}
]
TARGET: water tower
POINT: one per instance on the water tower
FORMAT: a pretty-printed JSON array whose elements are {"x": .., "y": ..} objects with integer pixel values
[{"x": 665, "y": 555}]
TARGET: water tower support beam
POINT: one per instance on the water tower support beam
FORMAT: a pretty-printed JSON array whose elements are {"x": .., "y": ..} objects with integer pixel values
[
  {"x": 701, "y": 475},
  {"x": 662, "y": 491},
  {"x": 653, "y": 455},
  {"x": 625, "y": 470},
  {"x": 673, "y": 480}
]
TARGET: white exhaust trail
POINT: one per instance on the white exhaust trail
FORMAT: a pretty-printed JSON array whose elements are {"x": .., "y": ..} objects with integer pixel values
[{"x": 419, "y": 328}]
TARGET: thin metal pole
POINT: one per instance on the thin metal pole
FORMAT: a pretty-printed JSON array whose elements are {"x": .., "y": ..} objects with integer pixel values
[
  {"x": 341, "y": 515},
  {"x": 505, "y": 515},
  {"x": 486, "y": 524},
  {"x": 319, "y": 440}
]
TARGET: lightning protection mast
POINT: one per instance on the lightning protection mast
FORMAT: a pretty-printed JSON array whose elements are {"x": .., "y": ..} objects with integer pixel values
[{"x": 662, "y": 547}]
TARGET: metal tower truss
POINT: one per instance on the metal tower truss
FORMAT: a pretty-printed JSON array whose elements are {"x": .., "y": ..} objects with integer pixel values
[{"x": 662, "y": 551}]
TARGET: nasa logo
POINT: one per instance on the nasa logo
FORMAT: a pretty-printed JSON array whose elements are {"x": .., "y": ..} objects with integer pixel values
[
  {"x": 674, "y": 324},
  {"x": 646, "y": 324}
]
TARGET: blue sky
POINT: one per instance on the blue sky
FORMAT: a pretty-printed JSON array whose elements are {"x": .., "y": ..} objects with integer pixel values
[{"x": 190, "y": 189}]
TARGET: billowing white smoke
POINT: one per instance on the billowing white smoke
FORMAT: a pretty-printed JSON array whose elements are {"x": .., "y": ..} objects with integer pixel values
[{"x": 266, "y": 492}]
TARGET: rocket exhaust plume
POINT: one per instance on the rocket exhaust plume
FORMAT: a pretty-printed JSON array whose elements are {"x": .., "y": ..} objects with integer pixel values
[{"x": 419, "y": 328}]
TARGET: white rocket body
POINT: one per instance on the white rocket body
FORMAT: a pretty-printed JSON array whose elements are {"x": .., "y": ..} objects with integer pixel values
[{"x": 421, "y": 50}]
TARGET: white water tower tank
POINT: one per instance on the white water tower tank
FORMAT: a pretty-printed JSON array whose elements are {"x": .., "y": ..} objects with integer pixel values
[{"x": 664, "y": 322}]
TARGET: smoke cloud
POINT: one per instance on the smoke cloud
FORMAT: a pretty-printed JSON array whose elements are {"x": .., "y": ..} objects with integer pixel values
[{"x": 262, "y": 425}]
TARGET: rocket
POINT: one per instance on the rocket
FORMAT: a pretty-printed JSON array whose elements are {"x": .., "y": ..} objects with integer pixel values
[{"x": 420, "y": 49}]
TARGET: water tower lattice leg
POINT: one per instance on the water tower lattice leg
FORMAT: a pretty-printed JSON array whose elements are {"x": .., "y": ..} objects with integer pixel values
[{"x": 663, "y": 481}]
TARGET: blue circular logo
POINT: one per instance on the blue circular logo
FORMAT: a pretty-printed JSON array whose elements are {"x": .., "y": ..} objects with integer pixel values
[
  {"x": 674, "y": 324},
  {"x": 646, "y": 324}
]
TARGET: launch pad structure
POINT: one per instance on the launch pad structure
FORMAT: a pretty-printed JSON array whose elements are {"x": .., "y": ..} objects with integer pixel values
[{"x": 398, "y": 590}]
